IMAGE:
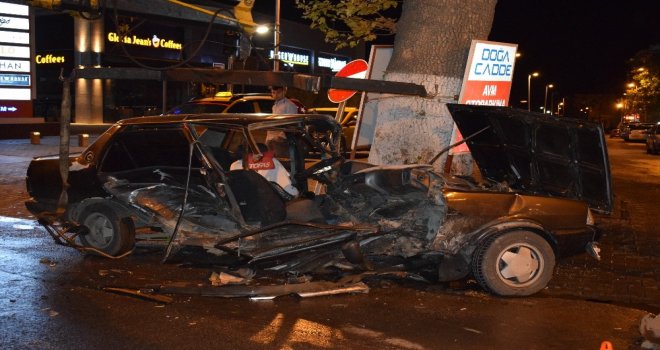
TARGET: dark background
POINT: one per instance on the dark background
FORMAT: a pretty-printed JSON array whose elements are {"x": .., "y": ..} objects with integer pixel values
[{"x": 580, "y": 46}]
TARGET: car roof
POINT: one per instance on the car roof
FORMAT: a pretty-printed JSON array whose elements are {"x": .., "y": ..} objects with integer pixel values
[
  {"x": 333, "y": 109},
  {"x": 232, "y": 97},
  {"x": 239, "y": 120}
]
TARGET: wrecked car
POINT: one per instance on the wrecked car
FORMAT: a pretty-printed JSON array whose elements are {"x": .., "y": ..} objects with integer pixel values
[{"x": 167, "y": 180}]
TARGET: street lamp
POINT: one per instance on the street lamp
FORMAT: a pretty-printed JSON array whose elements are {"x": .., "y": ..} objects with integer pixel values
[
  {"x": 545, "y": 101},
  {"x": 529, "y": 90}
]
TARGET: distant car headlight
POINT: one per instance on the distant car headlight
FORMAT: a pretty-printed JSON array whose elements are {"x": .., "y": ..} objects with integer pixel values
[{"x": 590, "y": 217}]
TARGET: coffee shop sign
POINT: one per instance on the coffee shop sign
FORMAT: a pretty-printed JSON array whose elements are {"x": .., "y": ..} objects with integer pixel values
[{"x": 154, "y": 41}]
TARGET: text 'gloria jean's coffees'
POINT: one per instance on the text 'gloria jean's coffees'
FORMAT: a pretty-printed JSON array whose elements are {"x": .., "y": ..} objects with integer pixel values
[{"x": 153, "y": 41}]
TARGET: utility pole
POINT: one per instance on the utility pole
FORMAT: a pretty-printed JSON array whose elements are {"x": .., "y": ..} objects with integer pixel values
[{"x": 276, "y": 50}]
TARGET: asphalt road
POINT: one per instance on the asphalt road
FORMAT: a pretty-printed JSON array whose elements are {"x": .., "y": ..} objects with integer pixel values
[{"x": 52, "y": 297}]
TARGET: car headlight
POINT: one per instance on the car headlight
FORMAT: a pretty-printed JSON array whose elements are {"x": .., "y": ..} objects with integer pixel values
[{"x": 590, "y": 217}]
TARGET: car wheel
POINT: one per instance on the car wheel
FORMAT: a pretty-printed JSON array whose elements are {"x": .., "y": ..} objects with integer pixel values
[
  {"x": 515, "y": 263},
  {"x": 107, "y": 232}
]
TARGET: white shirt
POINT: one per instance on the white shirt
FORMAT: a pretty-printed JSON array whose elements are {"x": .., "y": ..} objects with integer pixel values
[
  {"x": 284, "y": 106},
  {"x": 279, "y": 175}
]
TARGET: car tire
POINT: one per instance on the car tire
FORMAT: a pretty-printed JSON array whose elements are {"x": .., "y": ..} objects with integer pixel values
[
  {"x": 514, "y": 263},
  {"x": 106, "y": 231}
]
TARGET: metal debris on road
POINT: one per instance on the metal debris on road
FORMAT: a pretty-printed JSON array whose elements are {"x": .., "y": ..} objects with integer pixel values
[
  {"x": 223, "y": 278},
  {"x": 141, "y": 293}
]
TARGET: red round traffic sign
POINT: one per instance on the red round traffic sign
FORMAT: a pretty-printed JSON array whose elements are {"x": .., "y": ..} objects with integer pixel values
[{"x": 356, "y": 69}]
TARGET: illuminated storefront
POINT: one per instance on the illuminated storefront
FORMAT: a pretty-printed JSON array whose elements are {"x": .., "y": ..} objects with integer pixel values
[{"x": 64, "y": 43}]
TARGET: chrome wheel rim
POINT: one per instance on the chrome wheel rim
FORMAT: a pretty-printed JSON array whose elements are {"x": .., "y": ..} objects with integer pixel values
[
  {"x": 100, "y": 228},
  {"x": 519, "y": 265}
]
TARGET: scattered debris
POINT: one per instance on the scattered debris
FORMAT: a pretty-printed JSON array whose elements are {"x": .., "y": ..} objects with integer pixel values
[
  {"x": 48, "y": 262},
  {"x": 650, "y": 330},
  {"x": 267, "y": 292},
  {"x": 223, "y": 278},
  {"x": 51, "y": 313},
  {"x": 113, "y": 272},
  {"x": 146, "y": 294},
  {"x": 472, "y": 330}
]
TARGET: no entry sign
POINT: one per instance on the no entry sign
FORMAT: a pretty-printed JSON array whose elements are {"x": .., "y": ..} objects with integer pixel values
[{"x": 355, "y": 69}]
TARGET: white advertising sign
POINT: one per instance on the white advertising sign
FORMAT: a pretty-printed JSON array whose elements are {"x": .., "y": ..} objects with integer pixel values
[
  {"x": 14, "y": 66},
  {"x": 7, "y": 22},
  {"x": 14, "y": 37},
  {"x": 492, "y": 62},
  {"x": 15, "y": 94},
  {"x": 14, "y": 51},
  {"x": 14, "y": 9},
  {"x": 334, "y": 63}
]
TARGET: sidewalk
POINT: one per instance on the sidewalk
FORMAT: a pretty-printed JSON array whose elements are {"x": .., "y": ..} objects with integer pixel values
[
  {"x": 628, "y": 274},
  {"x": 16, "y": 154}
]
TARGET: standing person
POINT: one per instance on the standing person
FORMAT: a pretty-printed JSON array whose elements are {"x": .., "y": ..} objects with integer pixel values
[
  {"x": 282, "y": 104},
  {"x": 276, "y": 140}
]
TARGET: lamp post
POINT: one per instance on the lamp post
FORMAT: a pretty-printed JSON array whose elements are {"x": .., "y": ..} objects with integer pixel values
[
  {"x": 529, "y": 89},
  {"x": 545, "y": 101},
  {"x": 276, "y": 50}
]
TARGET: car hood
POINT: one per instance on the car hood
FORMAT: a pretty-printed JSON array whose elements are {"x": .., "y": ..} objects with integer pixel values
[{"x": 539, "y": 154}]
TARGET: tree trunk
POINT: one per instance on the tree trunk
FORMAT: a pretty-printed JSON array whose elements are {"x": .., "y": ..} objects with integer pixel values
[{"x": 431, "y": 48}]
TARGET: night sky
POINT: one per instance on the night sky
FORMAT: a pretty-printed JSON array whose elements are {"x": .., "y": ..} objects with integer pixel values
[{"x": 580, "y": 46}]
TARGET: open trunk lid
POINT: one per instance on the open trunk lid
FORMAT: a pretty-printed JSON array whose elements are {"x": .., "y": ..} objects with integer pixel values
[{"x": 539, "y": 154}]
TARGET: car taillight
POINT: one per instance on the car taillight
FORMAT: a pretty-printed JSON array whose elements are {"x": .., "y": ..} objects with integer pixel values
[{"x": 590, "y": 217}]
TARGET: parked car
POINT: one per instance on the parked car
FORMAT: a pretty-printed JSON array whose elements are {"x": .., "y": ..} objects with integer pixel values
[
  {"x": 166, "y": 179},
  {"x": 653, "y": 139},
  {"x": 616, "y": 132},
  {"x": 226, "y": 102},
  {"x": 638, "y": 132}
]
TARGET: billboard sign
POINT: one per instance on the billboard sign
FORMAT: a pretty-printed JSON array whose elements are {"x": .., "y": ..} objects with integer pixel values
[
  {"x": 487, "y": 79},
  {"x": 7, "y": 22},
  {"x": 22, "y": 38},
  {"x": 15, "y": 61},
  {"x": 14, "y": 66},
  {"x": 13, "y": 109},
  {"x": 14, "y": 51},
  {"x": 14, "y": 79}
]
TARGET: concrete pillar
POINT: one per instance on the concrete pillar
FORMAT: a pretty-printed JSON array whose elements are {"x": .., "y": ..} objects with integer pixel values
[{"x": 88, "y": 46}]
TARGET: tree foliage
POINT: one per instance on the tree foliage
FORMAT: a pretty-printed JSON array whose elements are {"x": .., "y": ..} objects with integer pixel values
[
  {"x": 348, "y": 22},
  {"x": 644, "y": 91}
]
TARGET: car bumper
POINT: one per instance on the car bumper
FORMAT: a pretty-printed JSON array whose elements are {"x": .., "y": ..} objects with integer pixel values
[{"x": 576, "y": 241}]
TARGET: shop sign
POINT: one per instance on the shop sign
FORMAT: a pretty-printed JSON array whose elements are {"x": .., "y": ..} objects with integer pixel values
[
  {"x": 15, "y": 37},
  {"x": 146, "y": 41},
  {"x": 7, "y": 22},
  {"x": 14, "y": 9},
  {"x": 15, "y": 109},
  {"x": 21, "y": 94},
  {"x": 15, "y": 79},
  {"x": 489, "y": 72},
  {"x": 487, "y": 78},
  {"x": 14, "y": 66},
  {"x": 14, "y": 51},
  {"x": 335, "y": 63},
  {"x": 292, "y": 57},
  {"x": 49, "y": 59}
]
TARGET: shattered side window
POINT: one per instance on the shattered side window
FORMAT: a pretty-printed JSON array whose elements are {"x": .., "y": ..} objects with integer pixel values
[{"x": 135, "y": 149}]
